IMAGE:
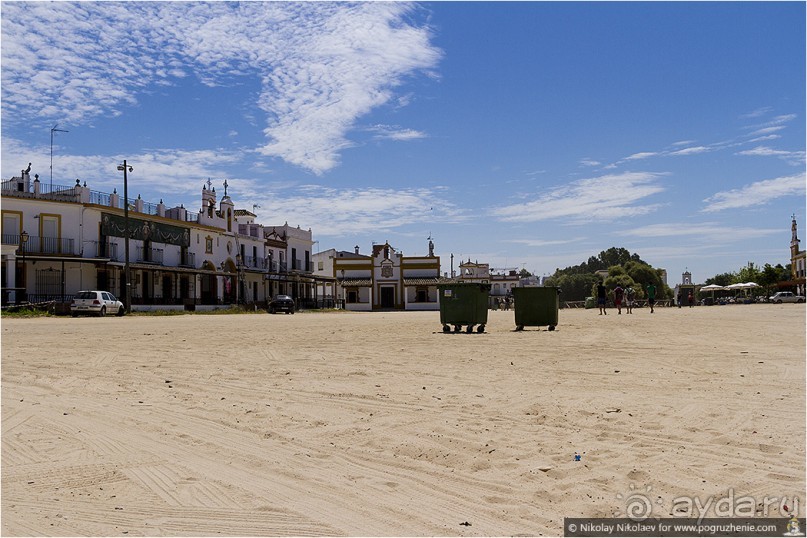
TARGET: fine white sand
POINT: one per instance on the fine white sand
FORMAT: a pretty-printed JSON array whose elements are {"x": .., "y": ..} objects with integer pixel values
[{"x": 380, "y": 424}]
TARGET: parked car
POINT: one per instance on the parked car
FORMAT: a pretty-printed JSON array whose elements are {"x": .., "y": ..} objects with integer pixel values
[
  {"x": 96, "y": 302},
  {"x": 786, "y": 297},
  {"x": 281, "y": 303}
]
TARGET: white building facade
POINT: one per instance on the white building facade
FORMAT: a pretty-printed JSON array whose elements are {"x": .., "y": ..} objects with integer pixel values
[
  {"x": 57, "y": 241},
  {"x": 383, "y": 280}
]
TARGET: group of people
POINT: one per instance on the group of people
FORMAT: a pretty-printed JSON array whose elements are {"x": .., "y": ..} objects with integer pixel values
[
  {"x": 690, "y": 300},
  {"x": 626, "y": 295}
]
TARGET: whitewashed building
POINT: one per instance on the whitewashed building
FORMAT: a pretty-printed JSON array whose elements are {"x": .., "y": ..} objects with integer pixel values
[
  {"x": 59, "y": 240},
  {"x": 384, "y": 279}
]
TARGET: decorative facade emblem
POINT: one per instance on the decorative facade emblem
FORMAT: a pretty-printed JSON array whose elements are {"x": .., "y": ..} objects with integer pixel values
[{"x": 386, "y": 271}]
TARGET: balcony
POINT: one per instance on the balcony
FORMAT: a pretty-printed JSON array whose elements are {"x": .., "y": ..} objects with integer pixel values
[
  {"x": 101, "y": 250},
  {"x": 188, "y": 259},
  {"x": 149, "y": 255},
  {"x": 42, "y": 245},
  {"x": 300, "y": 265},
  {"x": 276, "y": 267},
  {"x": 251, "y": 262}
]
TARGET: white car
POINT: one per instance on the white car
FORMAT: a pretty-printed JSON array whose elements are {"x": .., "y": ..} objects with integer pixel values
[
  {"x": 786, "y": 297},
  {"x": 96, "y": 302}
]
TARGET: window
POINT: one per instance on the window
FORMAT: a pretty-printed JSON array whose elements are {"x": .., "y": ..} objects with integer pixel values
[
  {"x": 208, "y": 245},
  {"x": 320, "y": 266},
  {"x": 352, "y": 296},
  {"x": 49, "y": 233},
  {"x": 422, "y": 295}
]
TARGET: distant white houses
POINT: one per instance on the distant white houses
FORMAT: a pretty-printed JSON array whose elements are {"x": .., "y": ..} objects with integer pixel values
[
  {"x": 501, "y": 283},
  {"x": 59, "y": 240},
  {"x": 384, "y": 279}
]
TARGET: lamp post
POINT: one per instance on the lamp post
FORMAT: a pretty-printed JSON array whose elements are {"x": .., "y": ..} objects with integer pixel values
[
  {"x": 53, "y": 130},
  {"x": 23, "y": 240},
  {"x": 238, "y": 281},
  {"x": 126, "y": 168}
]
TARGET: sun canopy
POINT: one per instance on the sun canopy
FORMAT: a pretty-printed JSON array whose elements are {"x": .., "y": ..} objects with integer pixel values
[{"x": 712, "y": 287}]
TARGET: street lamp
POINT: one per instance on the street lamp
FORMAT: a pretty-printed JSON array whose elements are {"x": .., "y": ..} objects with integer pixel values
[
  {"x": 23, "y": 240},
  {"x": 53, "y": 130},
  {"x": 238, "y": 282},
  {"x": 126, "y": 168}
]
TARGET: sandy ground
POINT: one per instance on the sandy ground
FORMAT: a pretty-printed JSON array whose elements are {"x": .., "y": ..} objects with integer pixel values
[{"x": 380, "y": 424}]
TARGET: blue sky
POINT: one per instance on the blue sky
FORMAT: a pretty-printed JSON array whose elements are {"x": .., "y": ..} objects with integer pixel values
[{"x": 522, "y": 134}]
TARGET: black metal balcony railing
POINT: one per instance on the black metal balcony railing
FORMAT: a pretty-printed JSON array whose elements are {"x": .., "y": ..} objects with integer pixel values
[
  {"x": 300, "y": 265},
  {"x": 149, "y": 255},
  {"x": 276, "y": 267},
  {"x": 41, "y": 245},
  {"x": 101, "y": 250}
]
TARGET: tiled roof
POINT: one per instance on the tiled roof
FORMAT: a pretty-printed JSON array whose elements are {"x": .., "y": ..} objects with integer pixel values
[{"x": 355, "y": 282}]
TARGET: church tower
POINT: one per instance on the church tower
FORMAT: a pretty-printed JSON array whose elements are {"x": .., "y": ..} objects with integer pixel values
[{"x": 794, "y": 239}]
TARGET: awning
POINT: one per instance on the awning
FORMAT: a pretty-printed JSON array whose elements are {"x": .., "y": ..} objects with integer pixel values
[
  {"x": 46, "y": 258},
  {"x": 169, "y": 268}
]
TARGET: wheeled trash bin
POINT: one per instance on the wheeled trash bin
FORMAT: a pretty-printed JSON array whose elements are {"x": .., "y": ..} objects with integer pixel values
[
  {"x": 536, "y": 307},
  {"x": 463, "y": 303}
]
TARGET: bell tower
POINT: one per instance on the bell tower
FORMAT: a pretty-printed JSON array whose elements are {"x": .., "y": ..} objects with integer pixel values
[{"x": 794, "y": 239}]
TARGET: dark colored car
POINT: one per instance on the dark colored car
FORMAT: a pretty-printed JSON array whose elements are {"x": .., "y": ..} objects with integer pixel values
[{"x": 281, "y": 303}]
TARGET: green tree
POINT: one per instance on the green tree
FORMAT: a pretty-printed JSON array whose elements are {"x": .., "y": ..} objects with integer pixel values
[
  {"x": 723, "y": 279},
  {"x": 574, "y": 287},
  {"x": 749, "y": 273}
]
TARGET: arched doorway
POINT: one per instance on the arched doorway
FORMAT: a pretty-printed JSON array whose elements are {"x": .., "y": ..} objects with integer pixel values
[
  {"x": 229, "y": 293},
  {"x": 209, "y": 285}
]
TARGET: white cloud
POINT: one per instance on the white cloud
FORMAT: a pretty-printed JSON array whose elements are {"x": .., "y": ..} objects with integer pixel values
[
  {"x": 387, "y": 132},
  {"x": 708, "y": 231},
  {"x": 792, "y": 157},
  {"x": 543, "y": 242},
  {"x": 335, "y": 212},
  {"x": 606, "y": 197},
  {"x": 640, "y": 155},
  {"x": 589, "y": 162},
  {"x": 758, "y": 112},
  {"x": 690, "y": 151},
  {"x": 321, "y": 65},
  {"x": 756, "y": 194},
  {"x": 767, "y": 130}
]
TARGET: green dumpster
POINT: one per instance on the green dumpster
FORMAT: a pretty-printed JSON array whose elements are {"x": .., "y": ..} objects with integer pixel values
[
  {"x": 463, "y": 303},
  {"x": 536, "y": 307}
]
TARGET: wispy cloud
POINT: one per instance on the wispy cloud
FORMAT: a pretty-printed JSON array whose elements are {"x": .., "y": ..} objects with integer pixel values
[
  {"x": 543, "y": 242},
  {"x": 758, "y": 112},
  {"x": 337, "y": 212},
  {"x": 756, "y": 194},
  {"x": 705, "y": 231},
  {"x": 690, "y": 151},
  {"x": 321, "y": 65},
  {"x": 589, "y": 162},
  {"x": 606, "y": 197},
  {"x": 795, "y": 158},
  {"x": 388, "y": 132},
  {"x": 640, "y": 155}
]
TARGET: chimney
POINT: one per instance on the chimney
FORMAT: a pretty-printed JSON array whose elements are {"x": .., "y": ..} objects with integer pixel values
[{"x": 357, "y": 249}]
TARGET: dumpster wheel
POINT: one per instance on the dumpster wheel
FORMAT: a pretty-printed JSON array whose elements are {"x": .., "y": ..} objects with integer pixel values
[
  {"x": 469, "y": 329},
  {"x": 480, "y": 329},
  {"x": 457, "y": 328},
  {"x": 519, "y": 327},
  {"x": 551, "y": 328},
  {"x": 446, "y": 329}
]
